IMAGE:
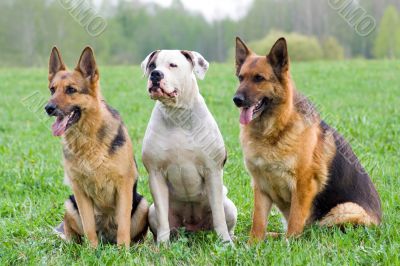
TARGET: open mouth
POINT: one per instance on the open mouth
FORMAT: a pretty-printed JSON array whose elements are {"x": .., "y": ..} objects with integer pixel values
[
  {"x": 157, "y": 92},
  {"x": 64, "y": 121},
  {"x": 247, "y": 114}
]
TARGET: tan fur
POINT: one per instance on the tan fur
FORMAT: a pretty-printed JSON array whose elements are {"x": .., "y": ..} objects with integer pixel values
[
  {"x": 102, "y": 180},
  {"x": 73, "y": 227},
  {"x": 283, "y": 149},
  {"x": 139, "y": 222},
  {"x": 348, "y": 213},
  {"x": 262, "y": 207},
  {"x": 285, "y": 169}
]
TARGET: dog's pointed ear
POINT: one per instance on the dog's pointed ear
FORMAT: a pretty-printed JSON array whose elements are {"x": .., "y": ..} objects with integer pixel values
[
  {"x": 56, "y": 63},
  {"x": 87, "y": 65},
  {"x": 200, "y": 65},
  {"x": 242, "y": 52},
  {"x": 278, "y": 57},
  {"x": 146, "y": 62}
]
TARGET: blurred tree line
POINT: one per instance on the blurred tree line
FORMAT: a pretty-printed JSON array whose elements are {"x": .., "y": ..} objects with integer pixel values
[{"x": 28, "y": 29}]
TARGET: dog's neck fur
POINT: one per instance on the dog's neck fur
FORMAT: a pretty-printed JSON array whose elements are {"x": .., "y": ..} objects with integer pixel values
[{"x": 190, "y": 95}]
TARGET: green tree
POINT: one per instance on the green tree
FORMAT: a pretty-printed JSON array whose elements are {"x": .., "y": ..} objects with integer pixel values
[
  {"x": 332, "y": 49},
  {"x": 387, "y": 41},
  {"x": 301, "y": 47}
]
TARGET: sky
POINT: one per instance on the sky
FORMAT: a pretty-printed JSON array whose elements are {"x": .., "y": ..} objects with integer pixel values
[{"x": 211, "y": 9}]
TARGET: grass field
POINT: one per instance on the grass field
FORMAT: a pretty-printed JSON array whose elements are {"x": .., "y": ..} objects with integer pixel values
[{"x": 360, "y": 98}]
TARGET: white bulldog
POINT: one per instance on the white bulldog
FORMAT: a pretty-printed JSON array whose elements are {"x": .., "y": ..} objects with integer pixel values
[{"x": 183, "y": 150}]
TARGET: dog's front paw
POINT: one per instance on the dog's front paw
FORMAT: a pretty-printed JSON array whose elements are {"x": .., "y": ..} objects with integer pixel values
[
  {"x": 293, "y": 233},
  {"x": 255, "y": 240},
  {"x": 222, "y": 232},
  {"x": 93, "y": 240},
  {"x": 163, "y": 237},
  {"x": 94, "y": 243},
  {"x": 228, "y": 242}
]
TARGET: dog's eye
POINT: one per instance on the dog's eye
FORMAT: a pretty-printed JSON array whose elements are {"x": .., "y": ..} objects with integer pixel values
[
  {"x": 258, "y": 78},
  {"x": 240, "y": 78},
  {"x": 152, "y": 66},
  {"x": 70, "y": 90},
  {"x": 173, "y": 65},
  {"x": 52, "y": 90}
]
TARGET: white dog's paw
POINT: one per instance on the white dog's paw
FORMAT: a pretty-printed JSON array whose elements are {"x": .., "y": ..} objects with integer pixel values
[
  {"x": 163, "y": 237},
  {"x": 228, "y": 242}
]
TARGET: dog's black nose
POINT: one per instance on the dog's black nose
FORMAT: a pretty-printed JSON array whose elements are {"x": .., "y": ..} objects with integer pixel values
[
  {"x": 156, "y": 76},
  {"x": 239, "y": 100},
  {"x": 50, "y": 108}
]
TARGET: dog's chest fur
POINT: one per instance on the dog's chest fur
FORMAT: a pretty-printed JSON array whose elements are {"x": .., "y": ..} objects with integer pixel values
[
  {"x": 272, "y": 173},
  {"x": 184, "y": 152},
  {"x": 184, "y": 164},
  {"x": 89, "y": 164},
  {"x": 273, "y": 163},
  {"x": 275, "y": 159}
]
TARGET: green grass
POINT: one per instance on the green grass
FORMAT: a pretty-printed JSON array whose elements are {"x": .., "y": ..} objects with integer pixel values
[{"x": 360, "y": 98}]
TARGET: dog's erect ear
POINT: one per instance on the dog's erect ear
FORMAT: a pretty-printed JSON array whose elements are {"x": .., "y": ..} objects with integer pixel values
[
  {"x": 278, "y": 57},
  {"x": 242, "y": 52},
  {"x": 200, "y": 65},
  {"x": 56, "y": 63},
  {"x": 87, "y": 65},
  {"x": 145, "y": 64}
]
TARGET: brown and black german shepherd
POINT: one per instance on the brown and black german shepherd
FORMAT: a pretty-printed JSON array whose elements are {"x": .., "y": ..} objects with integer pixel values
[
  {"x": 296, "y": 160},
  {"x": 98, "y": 157}
]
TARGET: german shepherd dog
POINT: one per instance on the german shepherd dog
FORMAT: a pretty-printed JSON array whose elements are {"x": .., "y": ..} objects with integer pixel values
[
  {"x": 98, "y": 158},
  {"x": 297, "y": 161}
]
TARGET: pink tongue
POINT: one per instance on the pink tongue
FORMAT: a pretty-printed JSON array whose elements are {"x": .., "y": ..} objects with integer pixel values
[
  {"x": 59, "y": 126},
  {"x": 246, "y": 115}
]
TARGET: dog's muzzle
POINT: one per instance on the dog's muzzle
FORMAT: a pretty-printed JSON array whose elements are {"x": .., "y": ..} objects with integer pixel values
[
  {"x": 239, "y": 100},
  {"x": 156, "y": 86},
  {"x": 156, "y": 76},
  {"x": 51, "y": 109}
]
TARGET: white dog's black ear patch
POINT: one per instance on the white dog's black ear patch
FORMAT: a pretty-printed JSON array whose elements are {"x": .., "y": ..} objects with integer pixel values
[
  {"x": 200, "y": 65},
  {"x": 146, "y": 62}
]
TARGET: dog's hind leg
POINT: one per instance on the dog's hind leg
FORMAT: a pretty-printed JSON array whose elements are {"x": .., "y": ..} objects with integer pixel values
[
  {"x": 153, "y": 221},
  {"x": 139, "y": 221},
  {"x": 230, "y": 215},
  {"x": 348, "y": 213},
  {"x": 71, "y": 228}
]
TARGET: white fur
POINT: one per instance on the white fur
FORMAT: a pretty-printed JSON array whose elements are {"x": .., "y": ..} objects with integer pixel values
[
  {"x": 198, "y": 69},
  {"x": 183, "y": 150}
]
